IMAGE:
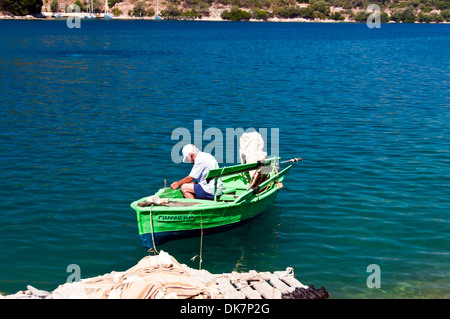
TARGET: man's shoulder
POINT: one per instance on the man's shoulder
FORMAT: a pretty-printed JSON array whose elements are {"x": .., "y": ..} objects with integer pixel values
[{"x": 205, "y": 157}]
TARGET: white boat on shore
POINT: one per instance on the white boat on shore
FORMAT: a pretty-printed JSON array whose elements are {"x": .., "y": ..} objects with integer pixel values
[
  {"x": 157, "y": 16},
  {"x": 87, "y": 16},
  {"x": 108, "y": 15}
]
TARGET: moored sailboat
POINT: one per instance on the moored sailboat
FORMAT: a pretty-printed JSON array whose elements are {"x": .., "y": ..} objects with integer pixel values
[
  {"x": 157, "y": 16},
  {"x": 107, "y": 15}
]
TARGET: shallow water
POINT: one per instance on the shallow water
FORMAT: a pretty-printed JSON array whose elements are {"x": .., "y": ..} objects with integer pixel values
[{"x": 86, "y": 117}]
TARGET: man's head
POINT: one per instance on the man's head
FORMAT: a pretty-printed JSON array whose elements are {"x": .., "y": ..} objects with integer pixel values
[{"x": 189, "y": 153}]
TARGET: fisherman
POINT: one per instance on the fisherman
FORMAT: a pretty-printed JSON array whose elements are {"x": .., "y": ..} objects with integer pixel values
[{"x": 203, "y": 163}]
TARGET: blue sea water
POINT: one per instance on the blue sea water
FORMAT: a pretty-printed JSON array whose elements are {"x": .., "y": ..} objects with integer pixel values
[{"x": 86, "y": 118}]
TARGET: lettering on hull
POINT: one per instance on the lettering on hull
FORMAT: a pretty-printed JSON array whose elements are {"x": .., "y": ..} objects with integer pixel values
[{"x": 175, "y": 218}]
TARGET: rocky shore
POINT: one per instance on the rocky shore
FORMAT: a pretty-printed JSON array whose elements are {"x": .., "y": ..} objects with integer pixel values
[
  {"x": 210, "y": 18},
  {"x": 153, "y": 277},
  {"x": 131, "y": 10},
  {"x": 162, "y": 277}
]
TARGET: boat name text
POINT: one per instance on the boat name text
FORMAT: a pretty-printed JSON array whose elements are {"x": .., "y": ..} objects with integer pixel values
[{"x": 175, "y": 218}]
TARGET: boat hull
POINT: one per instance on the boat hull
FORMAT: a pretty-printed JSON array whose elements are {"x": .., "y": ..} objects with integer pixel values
[
  {"x": 168, "y": 215},
  {"x": 159, "y": 226},
  {"x": 163, "y": 237}
]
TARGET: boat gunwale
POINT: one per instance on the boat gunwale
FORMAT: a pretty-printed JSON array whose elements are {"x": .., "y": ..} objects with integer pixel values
[{"x": 203, "y": 205}]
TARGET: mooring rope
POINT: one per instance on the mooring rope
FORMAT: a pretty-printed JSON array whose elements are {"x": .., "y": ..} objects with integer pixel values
[
  {"x": 151, "y": 227},
  {"x": 201, "y": 241}
]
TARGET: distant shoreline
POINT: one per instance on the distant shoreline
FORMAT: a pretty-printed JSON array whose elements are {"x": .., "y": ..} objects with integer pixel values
[
  {"x": 50, "y": 17},
  {"x": 273, "y": 20}
]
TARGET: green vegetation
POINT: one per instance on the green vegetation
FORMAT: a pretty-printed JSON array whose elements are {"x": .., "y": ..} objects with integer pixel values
[
  {"x": 317, "y": 9},
  {"x": 111, "y": 3},
  {"x": 21, "y": 7},
  {"x": 261, "y": 14},
  {"x": 82, "y": 5},
  {"x": 337, "y": 16},
  {"x": 140, "y": 9},
  {"x": 192, "y": 9},
  {"x": 407, "y": 11},
  {"x": 117, "y": 12},
  {"x": 235, "y": 14},
  {"x": 54, "y": 6}
]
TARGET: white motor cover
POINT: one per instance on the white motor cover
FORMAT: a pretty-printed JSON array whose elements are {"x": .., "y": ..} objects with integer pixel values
[{"x": 251, "y": 148}]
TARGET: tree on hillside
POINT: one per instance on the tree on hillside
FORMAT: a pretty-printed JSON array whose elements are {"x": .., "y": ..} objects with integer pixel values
[
  {"x": 21, "y": 7},
  {"x": 235, "y": 14},
  {"x": 54, "y": 6},
  {"x": 82, "y": 5},
  {"x": 112, "y": 3}
]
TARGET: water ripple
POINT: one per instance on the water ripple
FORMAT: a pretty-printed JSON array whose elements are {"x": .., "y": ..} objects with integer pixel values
[{"x": 86, "y": 118}]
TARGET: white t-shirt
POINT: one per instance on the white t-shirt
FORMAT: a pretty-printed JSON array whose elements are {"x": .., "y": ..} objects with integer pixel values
[{"x": 203, "y": 163}]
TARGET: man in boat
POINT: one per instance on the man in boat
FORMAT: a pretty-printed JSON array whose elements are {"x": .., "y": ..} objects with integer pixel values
[{"x": 203, "y": 162}]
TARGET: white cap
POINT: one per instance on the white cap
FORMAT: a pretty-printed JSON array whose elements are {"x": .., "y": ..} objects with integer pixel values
[{"x": 187, "y": 149}]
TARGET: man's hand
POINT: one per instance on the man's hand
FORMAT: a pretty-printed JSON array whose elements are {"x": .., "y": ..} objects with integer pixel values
[{"x": 185, "y": 180}]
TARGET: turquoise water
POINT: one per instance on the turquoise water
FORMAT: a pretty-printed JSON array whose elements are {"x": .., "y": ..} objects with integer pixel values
[{"x": 86, "y": 117}]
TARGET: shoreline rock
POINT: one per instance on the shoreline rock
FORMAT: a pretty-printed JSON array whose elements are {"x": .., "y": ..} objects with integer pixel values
[
  {"x": 153, "y": 277},
  {"x": 162, "y": 277},
  {"x": 206, "y": 19}
]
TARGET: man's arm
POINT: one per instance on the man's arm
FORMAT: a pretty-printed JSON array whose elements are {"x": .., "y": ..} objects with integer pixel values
[{"x": 185, "y": 180}]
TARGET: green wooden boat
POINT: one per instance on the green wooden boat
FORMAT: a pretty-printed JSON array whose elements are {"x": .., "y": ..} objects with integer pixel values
[{"x": 167, "y": 215}]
